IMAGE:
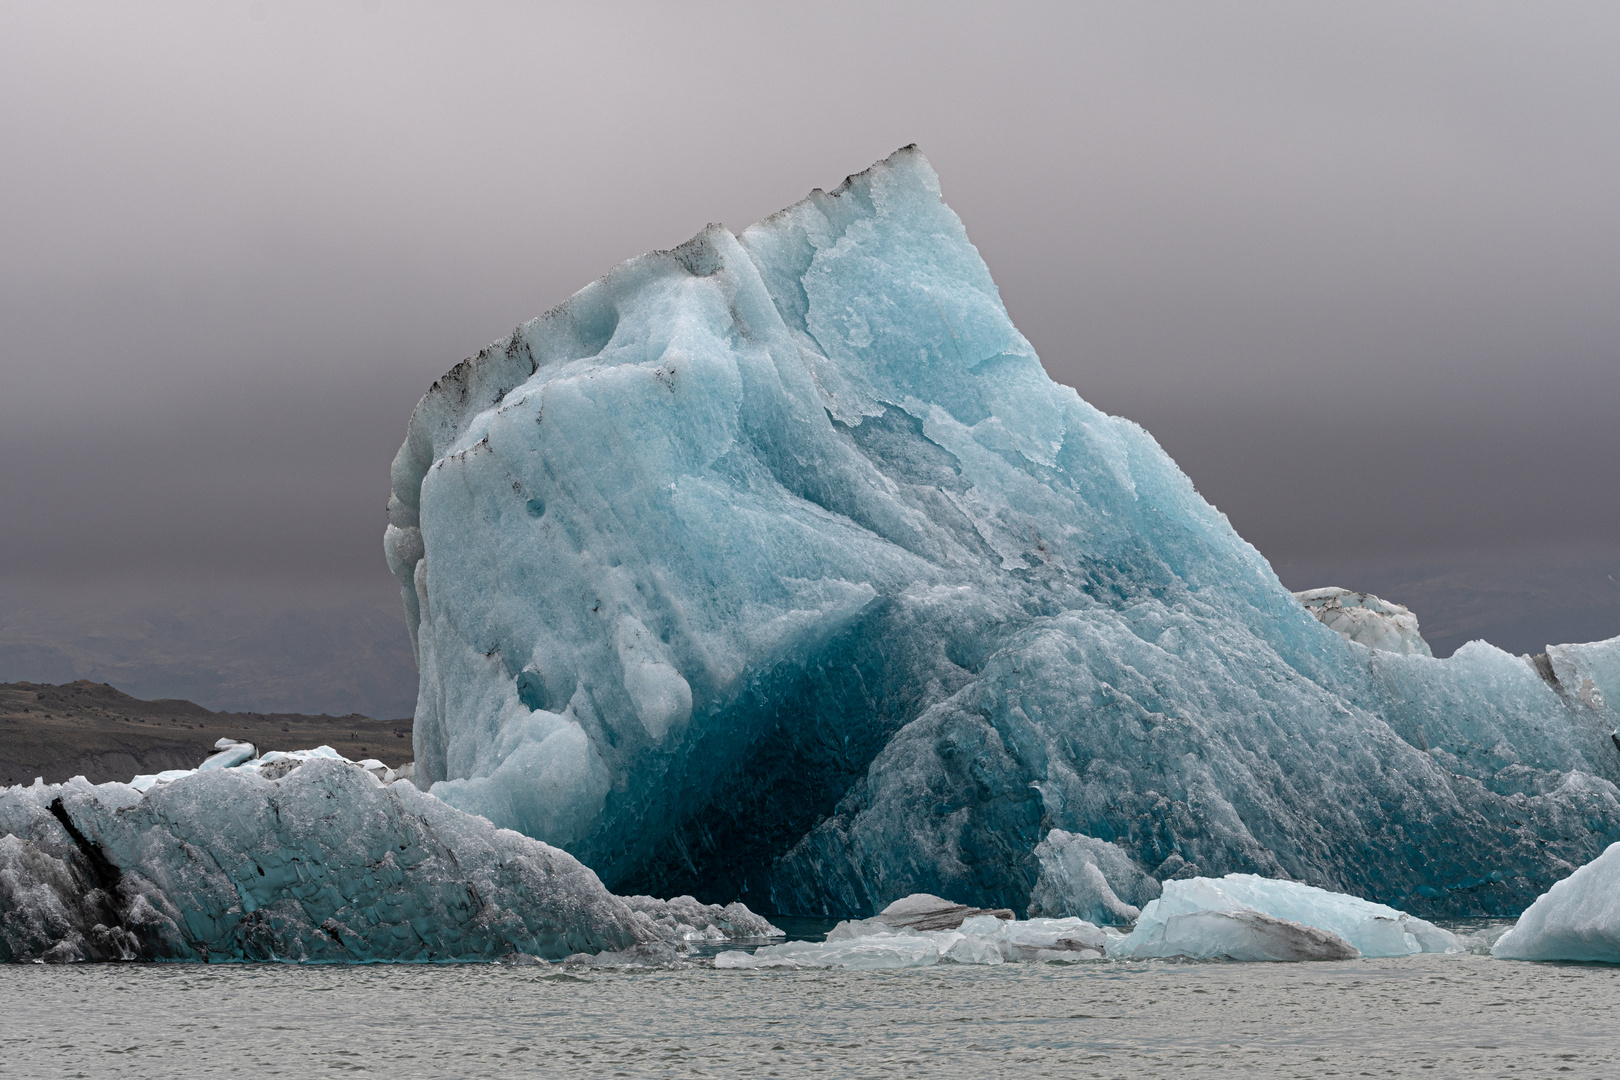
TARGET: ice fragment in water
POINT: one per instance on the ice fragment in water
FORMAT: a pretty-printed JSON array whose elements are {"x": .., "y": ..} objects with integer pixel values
[
  {"x": 1244, "y": 917},
  {"x": 1237, "y": 935},
  {"x": 983, "y": 938},
  {"x": 919, "y": 911},
  {"x": 1576, "y": 919},
  {"x": 1084, "y": 876}
]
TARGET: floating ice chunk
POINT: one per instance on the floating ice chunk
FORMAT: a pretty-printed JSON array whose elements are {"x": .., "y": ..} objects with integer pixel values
[
  {"x": 686, "y": 919},
  {"x": 919, "y": 911},
  {"x": 1034, "y": 939},
  {"x": 1204, "y": 918},
  {"x": 1084, "y": 876},
  {"x": 872, "y": 953},
  {"x": 230, "y": 752},
  {"x": 1236, "y": 935},
  {"x": 1576, "y": 919},
  {"x": 1364, "y": 618},
  {"x": 984, "y": 938}
]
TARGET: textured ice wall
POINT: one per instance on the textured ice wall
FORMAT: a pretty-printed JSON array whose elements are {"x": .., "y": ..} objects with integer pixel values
[{"x": 775, "y": 565}]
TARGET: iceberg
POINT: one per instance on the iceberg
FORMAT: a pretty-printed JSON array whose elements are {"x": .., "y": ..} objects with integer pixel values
[
  {"x": 1074, "y": 879},
  {"x": 305, "y": 857},
  {"x": 1576, "y": 919},
  {"x": 774, "y": 566},
  {"x": 1367, "y": 620},
  {"x": 1244, "y": 917}
]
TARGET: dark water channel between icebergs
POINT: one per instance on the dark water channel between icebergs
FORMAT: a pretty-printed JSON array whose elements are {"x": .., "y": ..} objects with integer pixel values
[{"x": 1419, "y": 1016}]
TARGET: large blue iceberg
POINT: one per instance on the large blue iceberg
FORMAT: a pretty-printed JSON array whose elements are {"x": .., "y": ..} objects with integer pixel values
[{"x": 775, "y": 567}]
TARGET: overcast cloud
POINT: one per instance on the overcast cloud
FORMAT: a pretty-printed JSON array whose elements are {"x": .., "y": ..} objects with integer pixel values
[{"x": 1356, "y": 266}]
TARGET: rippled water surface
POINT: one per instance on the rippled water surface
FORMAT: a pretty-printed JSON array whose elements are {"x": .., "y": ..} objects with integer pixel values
[{"x": 1421, "y": 1016}]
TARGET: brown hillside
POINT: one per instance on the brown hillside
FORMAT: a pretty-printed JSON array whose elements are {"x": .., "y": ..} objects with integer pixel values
[{"x": 90, "y": 729}]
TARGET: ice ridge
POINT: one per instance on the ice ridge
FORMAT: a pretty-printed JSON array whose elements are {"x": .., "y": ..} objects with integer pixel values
[
  {"x": 775, "y": 566},
  {"x": 305, "y": 857}
]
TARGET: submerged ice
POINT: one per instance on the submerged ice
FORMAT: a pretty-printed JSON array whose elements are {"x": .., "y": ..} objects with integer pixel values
[{"x": 776, "y": 566}]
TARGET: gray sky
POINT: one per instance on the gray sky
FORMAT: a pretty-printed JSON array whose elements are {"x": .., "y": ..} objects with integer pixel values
[{"x": 1357, "y": 266}]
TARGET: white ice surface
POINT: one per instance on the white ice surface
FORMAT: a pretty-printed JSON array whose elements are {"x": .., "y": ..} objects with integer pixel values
[
  {"x": 1367, "y": 620},
  {"x": 1193, "y": 918},
  {"x": 983, "y": 939},
  {"x": 1577, "y": 919}
]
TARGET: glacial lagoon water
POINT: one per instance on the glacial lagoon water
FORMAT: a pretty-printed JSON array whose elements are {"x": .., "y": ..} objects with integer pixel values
[{"x": 1424, "y": 1015}]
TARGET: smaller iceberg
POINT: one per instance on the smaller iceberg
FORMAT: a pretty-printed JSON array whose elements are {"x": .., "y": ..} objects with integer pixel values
[
  {"x": 1093, "y": 879},
  {"x": 306, "y": 856},
  {"x": 983, "y": 938},
  {"x": 1246, "y": 917},
  {"x": 1576, "y": 919},
  {"x": 1364, "y": 618},
  {"x": 686, "y": 919},
  {"x": 1242, "y": 935},
  {"x": 919, "y": 911}
]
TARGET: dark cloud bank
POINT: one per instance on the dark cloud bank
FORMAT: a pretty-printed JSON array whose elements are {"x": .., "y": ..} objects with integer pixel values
[{"x": 1355, "y": 267}]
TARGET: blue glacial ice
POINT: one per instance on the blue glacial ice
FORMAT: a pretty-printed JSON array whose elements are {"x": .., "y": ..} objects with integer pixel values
[
  {"x": 775, "y": 566},
  {"x": 305, "y": 857},
  {"x": 1577, "y": 919}
]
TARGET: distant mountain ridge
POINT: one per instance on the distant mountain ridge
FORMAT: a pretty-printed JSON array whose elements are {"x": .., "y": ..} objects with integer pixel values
[
  {"x": 93, "y": 730},
  {"x": 284, "y": 647}
]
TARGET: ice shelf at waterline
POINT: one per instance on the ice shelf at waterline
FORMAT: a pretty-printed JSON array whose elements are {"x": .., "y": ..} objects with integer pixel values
[
  {"x": 775, "y": 566},
  {"x": 304, "y": 857}
]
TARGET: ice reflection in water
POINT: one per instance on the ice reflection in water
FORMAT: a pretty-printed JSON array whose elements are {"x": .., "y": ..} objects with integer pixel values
[{"x": 1421, "y": 1015}]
